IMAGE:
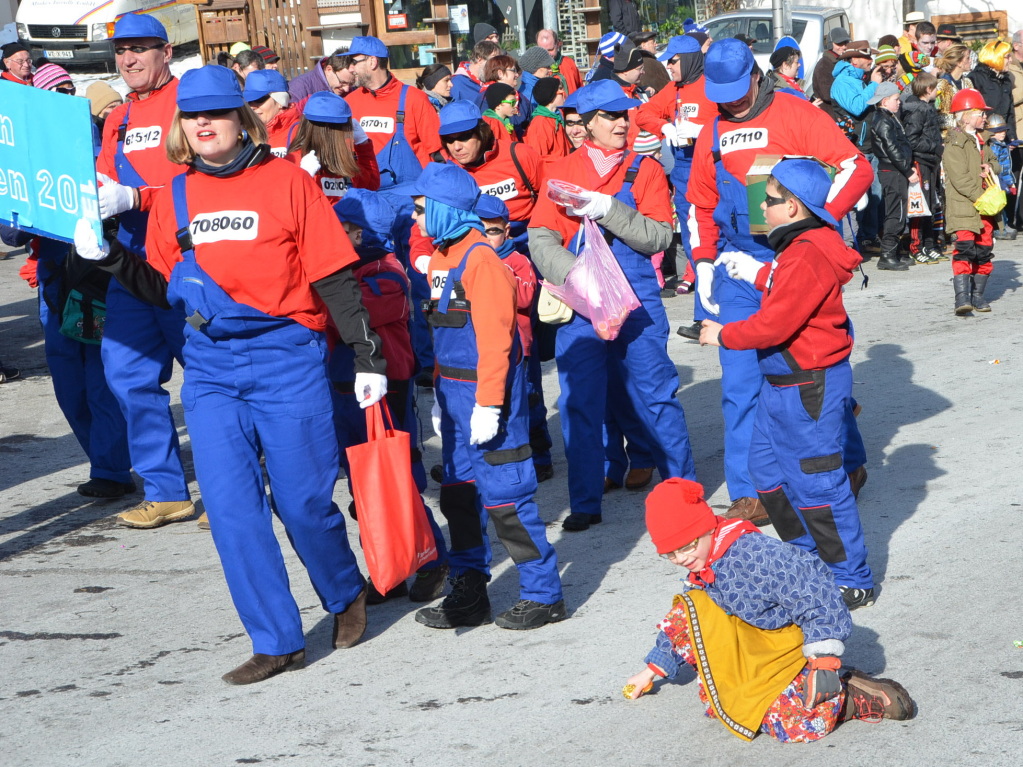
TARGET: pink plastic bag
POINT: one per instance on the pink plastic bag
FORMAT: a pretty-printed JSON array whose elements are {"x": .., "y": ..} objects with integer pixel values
[{"x": 596, "y": 286}]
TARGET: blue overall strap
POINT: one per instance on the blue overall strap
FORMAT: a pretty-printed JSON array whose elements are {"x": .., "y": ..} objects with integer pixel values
[
  {"x": 126, "y": 173},
  {"x": 715, "y": 149},
  {"x": 183, "y": 235},
  {"x": 630, "y": 174},
  {"x": 455, "y": 275},
  {"x": 373, "y": 286},
  {"x": 399, "y": 117},
  {"x": 291, "y": 133}
]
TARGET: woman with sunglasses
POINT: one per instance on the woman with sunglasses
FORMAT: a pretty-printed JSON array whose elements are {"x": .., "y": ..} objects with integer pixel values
[
  {"x": 333, "y": 148},
  {"x": 630, "y": 201},
  {"x": 256, "y": 284},
  {"x": 266, "y": 93}
]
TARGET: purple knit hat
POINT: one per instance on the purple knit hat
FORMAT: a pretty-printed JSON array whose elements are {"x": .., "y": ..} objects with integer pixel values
[{"x": 49, "y": 76}]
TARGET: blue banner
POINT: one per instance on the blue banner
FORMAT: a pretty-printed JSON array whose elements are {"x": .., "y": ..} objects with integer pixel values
[{"x": 47, "y": 172}]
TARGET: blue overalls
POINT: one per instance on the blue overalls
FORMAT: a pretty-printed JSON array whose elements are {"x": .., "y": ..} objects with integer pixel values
[
  {"x": 648, "y": 378},
  {"x": 350, "y": 419},
  {"x": 796, "y": 460},
  {"x": 79, "y": 383},
  {"x": 397, "y": 161},
  {"x": 679, "y": 176},
  {"x": 140, "y": 344},
  {"x": 257, "y": 384},
  {"x": 495, "y": 480},
  {"x": 741, "y": 379}
]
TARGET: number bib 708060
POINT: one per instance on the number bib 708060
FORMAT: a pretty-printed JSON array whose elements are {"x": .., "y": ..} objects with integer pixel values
[{"x": 224, "y": 225}]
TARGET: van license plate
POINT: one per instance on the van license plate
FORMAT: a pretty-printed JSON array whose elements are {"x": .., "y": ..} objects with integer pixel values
[{"x": 59, "y": 54}]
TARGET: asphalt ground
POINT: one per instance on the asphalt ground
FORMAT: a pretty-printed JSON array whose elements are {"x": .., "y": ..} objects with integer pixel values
[{"x": 113, "y": 641}]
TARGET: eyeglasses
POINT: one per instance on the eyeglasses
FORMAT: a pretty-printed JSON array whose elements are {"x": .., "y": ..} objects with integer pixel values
[
  {"x": 138, "y": 50},
  {"x": 21, "y": 62},
  {"x": 674, "y": 59},
  {"x": 259, "y": 102},
  {"x": 419, "y": 210},
  {"x": 353, "y": 61},
  {"x": 494, "y": 231},
  {"x": 212, "y": 113},
  {"x": 689, "y": 548},
  {"x": 613, "y": 116},
  {"x": 770, "y": 200},
  {"x": 465, "y": 135},
  {"x": 574, "y": 123},
  {"x": 510, "y": 102}
]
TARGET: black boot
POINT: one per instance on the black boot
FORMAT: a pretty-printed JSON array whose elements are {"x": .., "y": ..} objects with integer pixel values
[
  {"x": 977, "y": 294},
  {"x": 890, "y": 261},
  {"x": 963, "y": 288},
  {"x": 466, "y": 605}
]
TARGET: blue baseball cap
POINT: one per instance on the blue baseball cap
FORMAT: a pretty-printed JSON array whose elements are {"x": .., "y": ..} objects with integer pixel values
[
  {"x": 367, "y": 46},
  {"x": 680, "y": 44},
  {"x": 262, "y": 83},
  {"x": 209, "y": 87},
  {"x": 448, "y": 183},
  {"x": 809, "y": 182},
  {"x": 327, "y": 107},
  {"x": 459, "y": 116},
  {"x": 609, "y": 42},
  {"x": 492, "y": 207},
  {"x": 138, "y": 25},
  {"x": 372, "y": 213},
  {"x": 727, "y": 68},
  {"x": 603, "y": 94}
]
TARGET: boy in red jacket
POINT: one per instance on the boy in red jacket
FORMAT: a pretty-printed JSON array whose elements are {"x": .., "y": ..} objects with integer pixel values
[{"x": 802, "y": 336}]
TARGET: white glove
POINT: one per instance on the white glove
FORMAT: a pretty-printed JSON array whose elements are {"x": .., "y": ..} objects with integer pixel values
[
  {"x": 740, "y": 266},
  {"x": 435, "y": 417},
  {"x": 359, "y": 134},
  {"x": 310, "y": 163},
  {"x": 596, "y": 207},
  {"x": 705, "y": 286},
  {"x": 87, "y": 244},
  {"x": 483, "y": 424},
  {"x": 670, "y": 133},
  {"x": 114, "y": 198},
  {"x": 687, "y": 129},
  {"x": 370, "y": 388}
]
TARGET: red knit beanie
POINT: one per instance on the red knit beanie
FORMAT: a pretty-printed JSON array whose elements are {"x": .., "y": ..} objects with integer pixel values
[{"x": 677, "y": 514}]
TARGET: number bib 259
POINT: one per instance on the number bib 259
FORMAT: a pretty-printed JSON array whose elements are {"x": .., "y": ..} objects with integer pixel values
[
  {"x": 224, "y": 225},
  {"x": 747, "y": 138}
]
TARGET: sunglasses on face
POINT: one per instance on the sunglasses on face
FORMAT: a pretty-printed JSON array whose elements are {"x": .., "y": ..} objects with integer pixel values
[
  {"x": 612, "y": 116},
  {"x": 67, "y": 88},
  {"x": 674, "y": 60},
  {"x": 210, "y": 113},
  {"x": 453, "y": 137},
  {"x": 574, "y": 123},
  {"x": 510, "y": 102},
  {"x": 259, "y": 102},
  {"x": 138, "y": 50}
]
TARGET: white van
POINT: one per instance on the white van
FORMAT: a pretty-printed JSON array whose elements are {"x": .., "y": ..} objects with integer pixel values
[{"x": 78, "y": 31}]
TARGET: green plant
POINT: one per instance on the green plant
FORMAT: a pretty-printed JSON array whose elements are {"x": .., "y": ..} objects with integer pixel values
[{"x": 672, "y": 25}]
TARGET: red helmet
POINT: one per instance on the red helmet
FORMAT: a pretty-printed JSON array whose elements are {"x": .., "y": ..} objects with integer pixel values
[{"x": 968, "y": 98}]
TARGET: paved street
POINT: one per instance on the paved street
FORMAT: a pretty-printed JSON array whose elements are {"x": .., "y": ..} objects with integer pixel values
[{"x": 113, "y": 641}]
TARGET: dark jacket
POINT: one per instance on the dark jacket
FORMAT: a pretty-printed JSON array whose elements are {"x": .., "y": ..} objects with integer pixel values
[
  {"x": 624, "y": 16},
  {"x": 655, "y": 76},
  {"x": 891, "y": 147},
  {"x": 823, "y": 76},
  {"x": 996, "y": 88},
  {"x": 923, "y": 129}
]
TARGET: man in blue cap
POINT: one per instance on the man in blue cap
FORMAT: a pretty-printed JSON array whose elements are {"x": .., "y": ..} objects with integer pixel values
[
  {"x": 141, "y": 341},
  {"x": 754, "y": 122},
  {"x": 802, "y": 336}
]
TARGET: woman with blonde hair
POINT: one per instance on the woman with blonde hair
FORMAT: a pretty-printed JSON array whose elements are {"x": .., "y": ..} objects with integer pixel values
[
  {"x": 256, "y": 283},
  {"x": 333, "y": 148},
  {"x": 953, "y": 64},
  {"x": 992, "y": 78}
]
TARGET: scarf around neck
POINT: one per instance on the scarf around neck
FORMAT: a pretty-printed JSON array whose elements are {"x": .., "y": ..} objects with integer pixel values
[
  {"x": 250, "y": 154},
  {"x": 503, "y": 120},
  {"x": 543, "y": 111},
  {"x": 725, "y": 534},
  {"x": 604, "y": 160}
]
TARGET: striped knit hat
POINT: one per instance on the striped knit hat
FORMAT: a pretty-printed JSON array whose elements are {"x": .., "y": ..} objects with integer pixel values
[
  {"x": 646, "y": 143},
  {"x": 49, "y": 76},
  {"x": 609, "y": 42}
]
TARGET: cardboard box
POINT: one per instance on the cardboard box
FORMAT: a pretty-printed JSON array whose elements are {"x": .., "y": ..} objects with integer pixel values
[{"x": 756, "y": 186}]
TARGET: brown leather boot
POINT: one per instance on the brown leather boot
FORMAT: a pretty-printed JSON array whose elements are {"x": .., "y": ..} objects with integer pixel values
[
  {"x": 750, "y": 509},
  {"x": 350, "y": 625},
  {"x": 260, "y": 667},
  {"x": 872, "y": 700},
  {"x": 637, "y": 479}
]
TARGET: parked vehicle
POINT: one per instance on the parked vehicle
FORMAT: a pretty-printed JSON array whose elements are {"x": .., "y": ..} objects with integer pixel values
[
  {"x": 810, "y": 24},
  {"x": 78, "y": 31}
]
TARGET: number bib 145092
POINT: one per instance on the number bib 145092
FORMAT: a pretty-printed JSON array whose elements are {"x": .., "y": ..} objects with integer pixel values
[{"x": 224, "y": 225}]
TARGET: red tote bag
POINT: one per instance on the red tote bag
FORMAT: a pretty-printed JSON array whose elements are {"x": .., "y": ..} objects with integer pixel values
[{"x": 396, "y": 536}]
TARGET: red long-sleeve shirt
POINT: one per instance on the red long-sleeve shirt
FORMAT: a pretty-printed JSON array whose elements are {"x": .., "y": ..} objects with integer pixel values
[
  {"x": 280, "y": 130},
  {"x": 376, "y": 111},
  {"x": 789, "y": 126},
  {"x": 568, "y": 69},
  {"x": 497, "y": 175},
  {"x": 548, "y": 138},
  {"x": 803, "y": 308},
  {"x": 689, "y": 102}
]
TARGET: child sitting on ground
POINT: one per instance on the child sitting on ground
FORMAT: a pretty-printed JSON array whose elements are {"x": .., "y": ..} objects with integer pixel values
[{"x": 762, "y": 623}]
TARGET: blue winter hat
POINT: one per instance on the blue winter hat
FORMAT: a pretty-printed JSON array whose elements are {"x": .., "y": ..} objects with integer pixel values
[
  {"x": 368, "y": 46},
  {"x": 808, "y": 181},
  {"x": 459, "y": 116},
  {"x": 209, "y": 87},
  {"x": 609, "y": 42},
  {"x": 137, "y": 26},
  {"x": 690, "y": 25},
  {"x": 492, "y": 207},
  {"x": 447, "y": 183},
  {"x": 262, "y": 83},
  {"x": 680, "y": 44},
  {"x": 327, "y": 107},
  {"x": 727, "y": 68},
  {"x": 603, "y": 94}
]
